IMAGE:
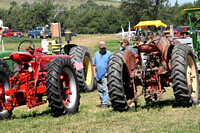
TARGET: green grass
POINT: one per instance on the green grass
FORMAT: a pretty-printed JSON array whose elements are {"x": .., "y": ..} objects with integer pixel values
[
  {"x": 161, "y": 116},
  {"x": 11, "y": 43},
  {"x": 112, "y": 46}
]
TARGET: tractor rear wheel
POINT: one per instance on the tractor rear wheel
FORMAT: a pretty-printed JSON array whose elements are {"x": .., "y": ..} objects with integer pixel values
[
  {"x": 185, "y": 78},
  {"x": 120, "y": 92},
  {"x": 85, "y": 76},
  {"x": 62, "y": 87},
  {"x": 4, "y": 86}
]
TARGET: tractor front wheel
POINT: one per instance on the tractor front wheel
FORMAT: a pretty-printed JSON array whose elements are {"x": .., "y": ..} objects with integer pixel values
[
  {"x": 4, "y": 86},
  {"x": 62, "y": 87},
  {"x": 185, "y": 78},
  {"x": 85, "y": 76}
]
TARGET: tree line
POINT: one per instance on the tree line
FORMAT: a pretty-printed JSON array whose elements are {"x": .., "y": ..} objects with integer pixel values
[{"x": 91, "y": 18}]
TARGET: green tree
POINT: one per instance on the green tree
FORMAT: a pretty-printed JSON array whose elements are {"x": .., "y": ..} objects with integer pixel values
[
  {"x": 137, "y": 10},
  {"x": 13, "y": 3},
  {"x": 43, "y": 11}
]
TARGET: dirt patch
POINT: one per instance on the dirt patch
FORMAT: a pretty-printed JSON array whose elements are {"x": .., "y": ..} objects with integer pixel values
[{"x": 92, "y": 40}]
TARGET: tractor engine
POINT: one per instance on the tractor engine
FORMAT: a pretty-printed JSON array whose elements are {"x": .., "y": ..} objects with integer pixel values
[
  {"x": 28, "y": 80},
  {"x": 151, "y": 69},
  {"x": 153, "y": 74}
]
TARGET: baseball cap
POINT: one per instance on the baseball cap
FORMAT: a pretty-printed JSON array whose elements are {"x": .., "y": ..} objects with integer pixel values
[
  {"x": 102, "y": 44},
  {"x": 124, "y": 39}
]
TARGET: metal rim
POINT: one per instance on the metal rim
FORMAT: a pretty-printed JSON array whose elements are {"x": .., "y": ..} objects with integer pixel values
[
  {"x": 69, "y": 94},
  {"x": 88, "y": 70},
  {"x": 192, "y": 77}
]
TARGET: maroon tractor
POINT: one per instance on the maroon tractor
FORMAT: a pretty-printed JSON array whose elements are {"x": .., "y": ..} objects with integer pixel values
[
  {"x": 157, "y": 64},
  {"x": 38, "y": 75}
]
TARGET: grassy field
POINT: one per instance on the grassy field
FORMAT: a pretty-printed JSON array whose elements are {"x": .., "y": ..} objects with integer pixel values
[
  {"x": 161, "y": 116},
  {"x": 91, "y": 41}
]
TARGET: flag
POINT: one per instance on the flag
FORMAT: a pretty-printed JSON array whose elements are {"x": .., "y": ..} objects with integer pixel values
[
  {"x": 122, "y": 32},
  {"x": 129, "y": 31},
  {"x": 78, "y": 64}
]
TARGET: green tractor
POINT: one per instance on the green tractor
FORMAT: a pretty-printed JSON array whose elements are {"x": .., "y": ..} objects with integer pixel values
[
  {"x": 7, "y": 63},
  {"x": 195, "y": 43}
]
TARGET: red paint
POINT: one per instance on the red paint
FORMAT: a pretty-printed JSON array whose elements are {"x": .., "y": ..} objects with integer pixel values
[{"x": 30, "y": 82}]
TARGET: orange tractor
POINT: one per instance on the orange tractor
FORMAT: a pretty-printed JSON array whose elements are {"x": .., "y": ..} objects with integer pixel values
[{"x": 159, "y": 63}]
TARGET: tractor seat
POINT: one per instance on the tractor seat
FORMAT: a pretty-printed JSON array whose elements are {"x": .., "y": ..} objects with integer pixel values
[{"x": 21, "y": 57}]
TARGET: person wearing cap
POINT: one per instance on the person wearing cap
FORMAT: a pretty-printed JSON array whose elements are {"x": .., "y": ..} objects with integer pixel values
[
  {"x": 125, "y": 45},
  {"x": 154, "y": 35},
  {"x": 100, "y": 72}
]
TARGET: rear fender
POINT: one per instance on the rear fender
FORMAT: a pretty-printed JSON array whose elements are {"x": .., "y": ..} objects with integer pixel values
[
  {"x": 167, "y": 56},
  {"x": 68, "y": 47},
  {"x": 129, "y": 60}
]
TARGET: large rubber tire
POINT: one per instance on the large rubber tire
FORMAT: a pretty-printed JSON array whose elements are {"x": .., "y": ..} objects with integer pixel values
[
  {"x": 118, "y": 80},
  {"x": 5, "y": 66},
  {"x": 185, "y": 78},
  {"x": 85, "y": 76},
  {"x": 62, "y": 87},
  {"x": 4, "y": 84}
]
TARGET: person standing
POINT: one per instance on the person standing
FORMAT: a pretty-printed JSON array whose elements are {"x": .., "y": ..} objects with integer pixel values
[
  {"x": 100, "y": 72},
  {"x": 125, "y": 45}
]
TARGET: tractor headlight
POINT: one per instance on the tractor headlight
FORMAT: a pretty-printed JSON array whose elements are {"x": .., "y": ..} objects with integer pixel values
[{"x": 30, "y": 69}]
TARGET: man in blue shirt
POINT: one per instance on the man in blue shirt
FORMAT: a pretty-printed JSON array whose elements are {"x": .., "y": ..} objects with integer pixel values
[{"x": 100, "y": 72}]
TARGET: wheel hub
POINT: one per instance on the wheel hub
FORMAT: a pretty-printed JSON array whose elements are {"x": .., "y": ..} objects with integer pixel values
[{"x": 88, "y": 70}]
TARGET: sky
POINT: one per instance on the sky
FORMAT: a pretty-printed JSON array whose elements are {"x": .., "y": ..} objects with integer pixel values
[{"x": 181, "y": 1}]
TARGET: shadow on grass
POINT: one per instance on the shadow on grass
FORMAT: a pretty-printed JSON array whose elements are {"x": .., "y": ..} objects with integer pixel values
[
  {"x": 160, "y": 104},
  {"x": 34, "y": 114}
]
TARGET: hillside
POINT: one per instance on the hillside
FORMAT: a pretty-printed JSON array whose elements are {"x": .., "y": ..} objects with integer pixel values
[{"x": 6, "y": 3}]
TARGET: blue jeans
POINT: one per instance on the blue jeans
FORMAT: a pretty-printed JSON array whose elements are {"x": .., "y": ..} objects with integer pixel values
[{"x": 103, "y": 91}]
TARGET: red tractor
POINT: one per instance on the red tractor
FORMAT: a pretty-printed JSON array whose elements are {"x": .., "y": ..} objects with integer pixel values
[
  {"x": 158, "y": 63},
  {"x": 38, "y": 75}
]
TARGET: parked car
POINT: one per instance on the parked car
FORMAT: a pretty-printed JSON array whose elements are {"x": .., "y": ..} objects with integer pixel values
[
  {"x": 177, "y": 33},
  {"x": 12, "y": 32},
  {"x": 38, "y": 33},
  {"x": 73, "y": 34}
]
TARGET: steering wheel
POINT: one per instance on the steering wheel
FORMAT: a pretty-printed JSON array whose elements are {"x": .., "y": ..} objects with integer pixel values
[{"x": 29, "y": 47}]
